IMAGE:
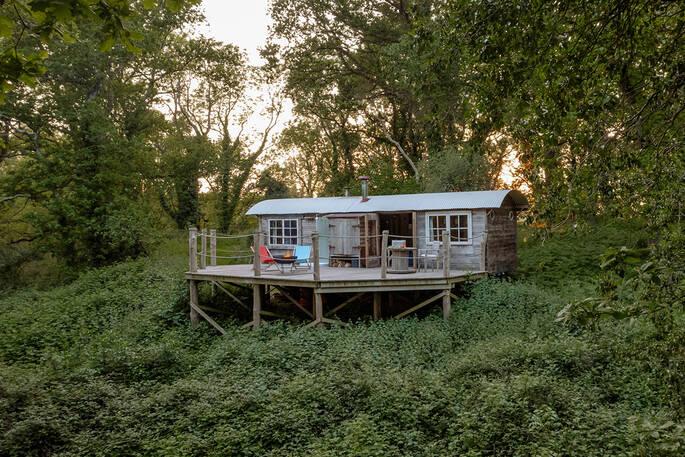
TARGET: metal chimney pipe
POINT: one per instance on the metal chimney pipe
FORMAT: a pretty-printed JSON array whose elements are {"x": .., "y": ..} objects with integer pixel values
[
  {"x": 347, "y": 191},
  {"x": 365, "y": 188}
]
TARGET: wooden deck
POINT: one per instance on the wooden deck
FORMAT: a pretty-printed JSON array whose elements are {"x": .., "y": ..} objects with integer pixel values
[
  {"x": 331, "y": 281},
  {"x": 335, "y": 279},
  {"x": 305, "y": 289}
]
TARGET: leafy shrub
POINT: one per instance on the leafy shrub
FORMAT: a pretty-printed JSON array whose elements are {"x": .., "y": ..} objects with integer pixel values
[{"x": 108, "y": 365}]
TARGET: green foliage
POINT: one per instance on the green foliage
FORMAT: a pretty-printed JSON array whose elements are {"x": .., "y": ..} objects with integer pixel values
[
  {"x": 27, "y": 27},
  {"x": 450, "y": 170},
  {"x": 109, "y": 365},
  {"x": 573, "y": 251},
  {"x": 644, "y": 283},
  {"x": 77, "y": 162},
  {"x": 586, "y": 97}
]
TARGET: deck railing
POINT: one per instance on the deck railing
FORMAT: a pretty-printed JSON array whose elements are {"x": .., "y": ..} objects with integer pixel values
[{"x": 208, "y": 253}]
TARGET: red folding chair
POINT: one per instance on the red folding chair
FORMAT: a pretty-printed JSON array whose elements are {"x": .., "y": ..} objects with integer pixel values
[{"x": 265, "y": 258}]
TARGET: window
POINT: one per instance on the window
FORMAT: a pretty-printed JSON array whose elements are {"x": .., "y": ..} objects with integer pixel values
[
  {"x": 458, "y": 225},
  {"x": 282, "y": 232}
]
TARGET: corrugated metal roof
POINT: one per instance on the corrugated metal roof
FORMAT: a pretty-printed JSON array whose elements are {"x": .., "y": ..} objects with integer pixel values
[{"x": 389, "y": 203}]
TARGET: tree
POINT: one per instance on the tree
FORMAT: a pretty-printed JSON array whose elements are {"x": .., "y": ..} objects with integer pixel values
[
  {"x": 373, "y": 72},
  {"x": 29, "y": 29},
  {"x": 79, "y": 146},
  {"x": 208, "y": 99}
]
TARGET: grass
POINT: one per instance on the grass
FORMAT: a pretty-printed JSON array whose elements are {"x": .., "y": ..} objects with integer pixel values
[{"x": 108, "y": 365}]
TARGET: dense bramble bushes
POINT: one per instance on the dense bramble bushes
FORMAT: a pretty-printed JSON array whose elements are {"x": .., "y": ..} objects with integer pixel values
[{"x": 108, "y": 365}]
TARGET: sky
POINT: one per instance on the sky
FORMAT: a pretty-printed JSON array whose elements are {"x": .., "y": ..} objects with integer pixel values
[{"x": 240, "y": 22}]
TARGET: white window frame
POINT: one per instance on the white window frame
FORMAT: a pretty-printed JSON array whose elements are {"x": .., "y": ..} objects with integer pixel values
[
  {"x": 447, "y": 215},
  {"x": 282, "y": 237}
]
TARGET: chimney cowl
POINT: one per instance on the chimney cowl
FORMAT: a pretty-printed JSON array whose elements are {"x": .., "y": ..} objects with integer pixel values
[{"x": 365, "y": 188}]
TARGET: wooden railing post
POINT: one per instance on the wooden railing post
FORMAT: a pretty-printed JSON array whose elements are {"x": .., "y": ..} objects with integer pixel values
[
  {"x": 192, "y": 249},
  {"x": 446, "y": 253},
  {"x": 315, "y": 255},
  {"x": 212, "y": 247},
  {"x": 484, "y": 252},
  {"x": 256, "y": 264},
  {"x": 203, "y": 253},
  {"x": 384, "y": 254}
]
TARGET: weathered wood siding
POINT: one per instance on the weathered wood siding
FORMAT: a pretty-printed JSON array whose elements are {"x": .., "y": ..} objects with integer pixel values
[
  {"x": 305, "y": 226},
  {"x": 462, "y": 256},
  {"x": 501, "y": 254}
]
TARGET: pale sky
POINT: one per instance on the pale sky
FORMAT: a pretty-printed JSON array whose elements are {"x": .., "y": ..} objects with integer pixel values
[{"x": 240, "y": 22}]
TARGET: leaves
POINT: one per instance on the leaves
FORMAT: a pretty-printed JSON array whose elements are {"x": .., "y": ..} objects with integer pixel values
[{"x": 59, "y": 20}]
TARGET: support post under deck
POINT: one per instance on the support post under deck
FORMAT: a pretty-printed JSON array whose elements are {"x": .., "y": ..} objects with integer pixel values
[
  {"x": 194, "y": 303},
  {"x": 376, "y": 306},
  {"x": 318, "y": 307},
  {"x": 256, "y": 305},
  {"x": 447, "y": 304}
]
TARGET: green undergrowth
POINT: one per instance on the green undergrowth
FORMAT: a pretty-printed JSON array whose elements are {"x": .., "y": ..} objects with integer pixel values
[
  {"x": 572, "y": 252},
  {"x": 108, "y": 365}
]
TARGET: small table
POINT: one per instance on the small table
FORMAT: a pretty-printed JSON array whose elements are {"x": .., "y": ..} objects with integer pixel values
[{"x": 399, "y": 259}]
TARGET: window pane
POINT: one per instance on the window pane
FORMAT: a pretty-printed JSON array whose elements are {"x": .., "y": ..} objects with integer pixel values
[
  {"x": 437, "y": 225},
  {"x": 463, "y": 234},
  {"x": 463, "y": 221}
]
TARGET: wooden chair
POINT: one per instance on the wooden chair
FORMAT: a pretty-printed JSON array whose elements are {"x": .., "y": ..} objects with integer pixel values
[{"x": 429, "y": 255}]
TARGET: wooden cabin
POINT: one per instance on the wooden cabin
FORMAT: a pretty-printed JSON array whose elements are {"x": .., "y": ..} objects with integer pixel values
[{"x": 481, "y": 226}]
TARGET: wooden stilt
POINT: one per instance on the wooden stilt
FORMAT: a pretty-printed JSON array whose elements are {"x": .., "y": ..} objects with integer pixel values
[
  {"x": 196, "y": 311},
  {"x": 421, "y": 305},
  {"x": 256, "y": 305},
  {"x": 285, "y": 294},
  {"x": 446, "y": 304},
  {"x": 318, "y": 307},
  {"x": 345, "y": 303},
  {"x": 211, "y": 321},
  {"x": 227, "y": 292},
  {"x": 335, "y": 322},
  {"x": 376, "y": 305},
  {"x": 194, "y": 303}
]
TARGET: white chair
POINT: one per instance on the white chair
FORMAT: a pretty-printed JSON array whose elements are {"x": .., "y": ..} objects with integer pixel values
[{"x": 431, "y": 256}]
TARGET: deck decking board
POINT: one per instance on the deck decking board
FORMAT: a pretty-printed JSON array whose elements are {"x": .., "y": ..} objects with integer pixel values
[{"x": 334, "y": 278}]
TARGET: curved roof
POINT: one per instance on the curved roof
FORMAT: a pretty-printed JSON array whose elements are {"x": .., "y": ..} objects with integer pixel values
[{"x": 391, "y": 203}]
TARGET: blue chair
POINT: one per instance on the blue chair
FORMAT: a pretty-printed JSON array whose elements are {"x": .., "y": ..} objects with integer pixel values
[{"x": 303, "y": 255}]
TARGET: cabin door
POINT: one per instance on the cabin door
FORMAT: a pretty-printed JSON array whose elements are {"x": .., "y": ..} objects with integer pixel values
[{"x": 344, "y": 236}]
